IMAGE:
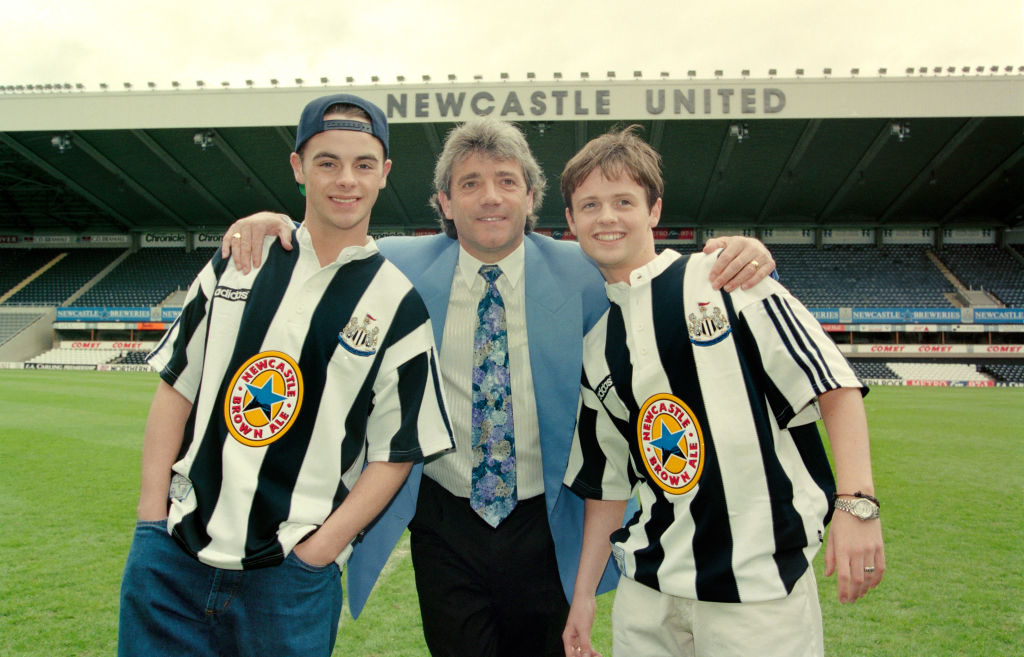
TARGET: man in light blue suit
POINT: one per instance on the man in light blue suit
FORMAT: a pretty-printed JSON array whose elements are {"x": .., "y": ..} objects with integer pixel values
[{"x": 504, "y": 589}]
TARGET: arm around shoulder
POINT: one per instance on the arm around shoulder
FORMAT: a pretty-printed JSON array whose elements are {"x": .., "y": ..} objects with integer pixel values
[{"x": 243, "y": 240}]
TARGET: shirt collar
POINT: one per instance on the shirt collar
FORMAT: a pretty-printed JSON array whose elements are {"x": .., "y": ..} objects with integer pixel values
[
  {"x": 641, "y": 275},
  {"x": 348, "y": 254},
  {"x": 512, "y": 266}
]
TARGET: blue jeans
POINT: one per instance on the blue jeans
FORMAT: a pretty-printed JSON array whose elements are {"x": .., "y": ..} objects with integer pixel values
[{"x": 171, "y": 604}]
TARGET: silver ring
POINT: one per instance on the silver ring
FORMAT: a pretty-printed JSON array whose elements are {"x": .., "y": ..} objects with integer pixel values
[
  {"x": 236, "y": 236},
  {"x": 869, "y": 569}
]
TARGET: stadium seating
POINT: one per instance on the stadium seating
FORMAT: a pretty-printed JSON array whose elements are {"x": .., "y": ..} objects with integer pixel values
[
  {"x": 69, "y": 356},
  {"x": 1005, "y": 372},
  {"x": 62, "y": 280},
  {"x": 19, "y": 264},
  {"x": 11, "y": 324},
  {"x": 146, "y": 277},
  {"x": 855, "y": 276},
  {"x": 870, "y": 369},
  {"x": 989, "y": 268},
  {"x": 131, "y": 358},
  {"x": 938, "y": 372}
]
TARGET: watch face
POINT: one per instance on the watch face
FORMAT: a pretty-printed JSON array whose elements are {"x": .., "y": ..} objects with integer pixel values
[{"x": 863, "y": 509}]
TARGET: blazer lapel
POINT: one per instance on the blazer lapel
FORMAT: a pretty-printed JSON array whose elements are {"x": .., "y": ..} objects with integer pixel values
[
  {"x": 555, "y": 328},
  {"x": 435, "y": 288}
]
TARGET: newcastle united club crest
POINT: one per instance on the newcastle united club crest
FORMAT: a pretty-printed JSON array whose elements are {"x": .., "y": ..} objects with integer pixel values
[
  {"x": 711, "y": 327},
  {"x": 360, "y": 337}
]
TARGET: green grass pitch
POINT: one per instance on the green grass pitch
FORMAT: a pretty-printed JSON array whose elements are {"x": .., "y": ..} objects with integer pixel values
[{"x": 948, "y": 465}]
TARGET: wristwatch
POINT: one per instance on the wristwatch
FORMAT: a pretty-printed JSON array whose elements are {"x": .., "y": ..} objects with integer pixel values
[{"x": 864, "y": 506}]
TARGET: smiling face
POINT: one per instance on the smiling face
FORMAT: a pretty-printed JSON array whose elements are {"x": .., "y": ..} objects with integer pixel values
[
  {"x": 343, "y": 172},
  {"x": 489, "y": 203},
  {"x": 613, "y": 223}
]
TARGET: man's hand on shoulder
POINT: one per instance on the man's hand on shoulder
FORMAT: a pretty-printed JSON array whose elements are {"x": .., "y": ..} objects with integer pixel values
[
  {"x": 243, "y": 240},
  {"x": 744, "y": 262}
]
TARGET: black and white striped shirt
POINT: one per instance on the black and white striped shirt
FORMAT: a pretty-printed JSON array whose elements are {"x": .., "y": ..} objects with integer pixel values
[
  {"x": 299, "y": 375},
  {"x": 705, "y": 401}
]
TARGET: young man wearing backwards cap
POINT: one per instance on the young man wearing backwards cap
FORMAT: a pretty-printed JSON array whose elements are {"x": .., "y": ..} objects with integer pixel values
[{"x": 278, "y": 387}]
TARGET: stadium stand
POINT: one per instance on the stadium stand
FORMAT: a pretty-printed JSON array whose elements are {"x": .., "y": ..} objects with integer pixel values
[
  {"x": 19, "y": 264},
  {"x": 131, "y": 358},
  {"x": 938, "y": 372},
  {"x": 11, "y": 324},
  {"x": 71, "y": 356},
  {"x": 1004, "y": 372},
  {"x": 844, "y": 275},
  {"x": 987, "y": 267},
  {"x": 65, "y": 278},
  {"x": 872, "y": 370},
  {"x": 146, "y": 277}
]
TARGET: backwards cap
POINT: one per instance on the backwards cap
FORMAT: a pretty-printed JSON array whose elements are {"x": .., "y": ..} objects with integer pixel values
[{"x": 313, "y": 123}]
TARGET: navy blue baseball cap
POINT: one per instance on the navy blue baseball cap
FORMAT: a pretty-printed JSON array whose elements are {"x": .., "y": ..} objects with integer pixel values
[{"x": 313, "y": 123}]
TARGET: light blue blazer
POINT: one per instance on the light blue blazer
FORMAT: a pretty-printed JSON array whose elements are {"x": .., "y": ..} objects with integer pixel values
[{"x": 564, "y": 298}]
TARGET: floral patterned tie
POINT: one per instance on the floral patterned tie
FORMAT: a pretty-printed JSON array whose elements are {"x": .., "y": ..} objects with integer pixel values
[{"x": 493, "y": 493}]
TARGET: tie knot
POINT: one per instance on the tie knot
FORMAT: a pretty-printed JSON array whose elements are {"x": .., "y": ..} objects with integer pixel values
[{"x": 490, "y": 273}]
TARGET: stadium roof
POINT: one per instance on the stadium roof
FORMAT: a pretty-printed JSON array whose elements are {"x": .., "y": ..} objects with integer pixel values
[{"x": 936, "y": 150}]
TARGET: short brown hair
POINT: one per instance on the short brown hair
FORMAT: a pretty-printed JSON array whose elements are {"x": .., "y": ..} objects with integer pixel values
[{"x": 617, "y": 152}]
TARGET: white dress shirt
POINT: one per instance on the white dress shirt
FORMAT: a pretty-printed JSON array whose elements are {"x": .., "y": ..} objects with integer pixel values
[{"x": 453, "y": 469}]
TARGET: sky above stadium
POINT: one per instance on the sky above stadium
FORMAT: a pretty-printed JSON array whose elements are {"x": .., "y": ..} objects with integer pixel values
[{"x": 117, "y": 41}]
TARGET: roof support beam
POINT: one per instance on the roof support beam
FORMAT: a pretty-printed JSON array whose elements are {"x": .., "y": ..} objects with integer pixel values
[
  {"x": 857, "y": 173},
  {"x": 181, "y": 172},
  {"x": 247, "y": 173},
  {"x": 997, "y": 173},
  {"x": 786, "y": 175},
  {"x": 116, "y": 216},
  {"x": 717, "y": 173},
  {"x": 581, "y": 136},
  {"x": 657, "y": 134},
  {"x": 926, "y": 174},
  {"x": 106, "y": 163}
]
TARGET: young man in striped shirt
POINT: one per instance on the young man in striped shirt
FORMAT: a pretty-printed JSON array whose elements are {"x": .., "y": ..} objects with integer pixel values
[
  {"x": 293, "y": 401},
  {"x": 703, "y": 403}
]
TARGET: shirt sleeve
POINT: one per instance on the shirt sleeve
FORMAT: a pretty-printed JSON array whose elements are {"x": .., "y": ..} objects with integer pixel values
[
  {"x": 409, "y": 420},
  {"x": 799, "y": 357},
  {"x": 178, "y": 357}
]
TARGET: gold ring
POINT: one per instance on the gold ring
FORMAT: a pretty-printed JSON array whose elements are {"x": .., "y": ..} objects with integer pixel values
[
  {"x": 869, "y": 569},
  {"x": 756, "y": 264},
  {"x": 236, "y": 236}
]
